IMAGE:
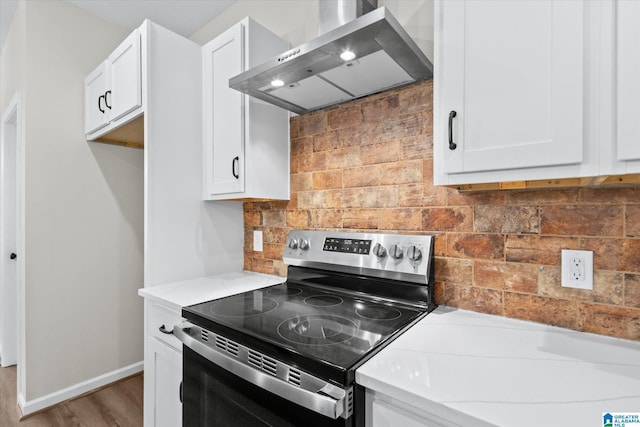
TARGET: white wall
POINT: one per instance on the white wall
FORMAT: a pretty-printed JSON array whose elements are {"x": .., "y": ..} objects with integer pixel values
[
  {"x": 416, "y": 16},
  {"x": 297, "y": 20},
  {"x": 294, "y": 20},
  {"x": 83, "y": 206}
]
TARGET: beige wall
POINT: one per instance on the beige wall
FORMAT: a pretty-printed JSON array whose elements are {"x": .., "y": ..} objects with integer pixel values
[{"x": 83, "y": 206}]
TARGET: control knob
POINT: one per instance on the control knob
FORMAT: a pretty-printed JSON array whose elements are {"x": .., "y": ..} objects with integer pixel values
[
  {"x": 395, "y": 252},
  {"x": 293, "y": 243},
  {"x": 379, "y": 250},
  {"x": 414, "y": 254},
  {"x": 304, "y": 244}
]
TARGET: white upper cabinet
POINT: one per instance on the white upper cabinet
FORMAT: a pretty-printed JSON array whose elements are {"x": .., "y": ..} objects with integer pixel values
[
  {"x": 246, "y": 141},
  {"x": 536, "y": 91},
  {"x": 96, "y": 113},
  {"x": 512, "y": 73},
  {"x": 125, "y": 92},
  {"x": 509, "y": 86},
  {"x": 224, "y": 129},
  {"x": 113, "y": 91},
  {"x": 627, "y": 34}
]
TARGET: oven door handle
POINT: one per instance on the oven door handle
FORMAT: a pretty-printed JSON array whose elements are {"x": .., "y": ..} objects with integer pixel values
[{"x": 314, "y": 401}]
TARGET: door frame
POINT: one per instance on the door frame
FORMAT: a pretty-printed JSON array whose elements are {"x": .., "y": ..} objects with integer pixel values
[{"x": 11, "y": 308}]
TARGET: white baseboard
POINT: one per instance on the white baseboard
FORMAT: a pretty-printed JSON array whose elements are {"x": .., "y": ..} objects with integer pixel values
[{"x": 76, "y": 390}]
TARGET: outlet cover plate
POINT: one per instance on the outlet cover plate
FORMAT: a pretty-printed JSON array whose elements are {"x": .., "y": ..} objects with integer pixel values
[{"x": 577, "y": 269}]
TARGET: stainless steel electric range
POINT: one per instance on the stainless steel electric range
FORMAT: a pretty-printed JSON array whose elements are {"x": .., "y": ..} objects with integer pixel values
[{"x": 286, "y": 355}]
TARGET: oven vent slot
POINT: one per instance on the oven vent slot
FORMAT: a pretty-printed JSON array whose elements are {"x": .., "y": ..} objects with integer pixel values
[
  {"x": 227, "y": 345},
  {"x": 221, "y": 343},
  {"x": 269, "y": 365},
  {"x": 255, "y": 359},
  {"x": 349, "y": 403},
  {"x": 262, "y": 362},
  {"x": 204, "y": 335},
  {"x": 294, "y": 377},
  {"x": 232, "y": 348}
]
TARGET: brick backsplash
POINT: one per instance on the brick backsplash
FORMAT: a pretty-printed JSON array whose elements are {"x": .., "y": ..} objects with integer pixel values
[{"x": 367, "y": 165}]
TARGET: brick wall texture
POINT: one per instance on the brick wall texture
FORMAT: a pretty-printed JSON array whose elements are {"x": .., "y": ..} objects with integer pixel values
[{"x": 368, "y": 166}]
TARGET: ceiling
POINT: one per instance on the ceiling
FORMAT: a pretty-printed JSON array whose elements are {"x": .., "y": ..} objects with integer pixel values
[{"x": 184, "y": 17}]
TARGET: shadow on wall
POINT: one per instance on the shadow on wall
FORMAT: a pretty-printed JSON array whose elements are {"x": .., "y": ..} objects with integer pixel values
[{"x": 123, "y": 172}]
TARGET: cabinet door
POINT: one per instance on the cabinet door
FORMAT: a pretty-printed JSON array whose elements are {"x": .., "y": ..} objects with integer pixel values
[
  {"x": 96, "y": 113},
  {"x": 224, "y": 113},
  {"x": 386, "y": 415},
  {"x": 167, "y": 376},
  {"x": 628, "y": 80},
  {"x": 513, "y": 73},
  {"x": 125, "y": 92}
]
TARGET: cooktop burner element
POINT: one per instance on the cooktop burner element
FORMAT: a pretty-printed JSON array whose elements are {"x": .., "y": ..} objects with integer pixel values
[
  {"x": 287, "y": 290},
  {"x": 317, "y": 329},
  {"x": 323, "y": 300},
  {"x": 243, "y": 305},
  {"x": 378, "y": 312}
]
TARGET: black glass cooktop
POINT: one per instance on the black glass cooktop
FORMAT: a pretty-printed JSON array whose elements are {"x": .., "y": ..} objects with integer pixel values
[{"x": 305, "y": 323}]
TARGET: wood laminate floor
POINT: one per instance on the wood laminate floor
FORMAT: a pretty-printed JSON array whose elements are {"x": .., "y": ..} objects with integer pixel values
[{"x": 119, "y": 404}]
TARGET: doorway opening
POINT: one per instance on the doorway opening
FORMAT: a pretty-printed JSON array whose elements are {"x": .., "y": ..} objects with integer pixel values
[{"x": 10, "y": 235}]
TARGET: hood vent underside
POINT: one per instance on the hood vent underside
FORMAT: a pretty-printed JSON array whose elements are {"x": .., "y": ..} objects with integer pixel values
[{"x": 313, "y": 76}]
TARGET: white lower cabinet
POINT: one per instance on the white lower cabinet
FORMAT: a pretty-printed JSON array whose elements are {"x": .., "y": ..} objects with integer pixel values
[
  {"x": 384, "y": 411},
  {"x": 167, "y": 375},
  {"x": 162, "y": 368},
  {"x": 385, "y": 415}
]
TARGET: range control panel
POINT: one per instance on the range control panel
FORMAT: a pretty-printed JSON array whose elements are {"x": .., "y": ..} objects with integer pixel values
[
  {"x": 403, "y": 256},
  {"x": 348, "y": 246}
]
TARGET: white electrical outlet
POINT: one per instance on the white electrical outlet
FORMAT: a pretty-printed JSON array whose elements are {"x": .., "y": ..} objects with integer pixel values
[
  {"x": 577, "y": 269},
  {"x": 257, "y": 240}
]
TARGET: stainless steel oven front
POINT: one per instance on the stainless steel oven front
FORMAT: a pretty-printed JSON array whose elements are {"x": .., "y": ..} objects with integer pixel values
[
  {"x": 286, "y": 355},
  {"x": 228, "y": 384}
]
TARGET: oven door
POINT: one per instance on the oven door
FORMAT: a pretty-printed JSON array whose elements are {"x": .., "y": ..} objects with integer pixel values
[{"x": 218, "y": 391}]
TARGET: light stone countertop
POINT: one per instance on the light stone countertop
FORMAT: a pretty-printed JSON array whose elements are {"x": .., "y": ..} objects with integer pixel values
[
  {"x": 475, "y": 369},
  {"x": 188, "y": 292}
]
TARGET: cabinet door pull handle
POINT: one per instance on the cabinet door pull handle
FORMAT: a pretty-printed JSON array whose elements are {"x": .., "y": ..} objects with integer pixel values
[
  {"x": 164, "y": 330},
  {"x": 181, "y": 392},
  {"x": 235, "y": 164},
  {"x": 100, "y": 98},
  {"x": 105, "y": 99},
  {"x": 452, "y": 145},
  {"x": 13, "y": 256}
]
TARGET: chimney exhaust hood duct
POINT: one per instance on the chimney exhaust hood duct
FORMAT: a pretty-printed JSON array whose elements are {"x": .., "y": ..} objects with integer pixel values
[{"x": 313, "y": 76}]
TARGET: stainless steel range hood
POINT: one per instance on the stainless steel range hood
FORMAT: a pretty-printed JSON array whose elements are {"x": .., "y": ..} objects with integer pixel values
[{"x": 313, "y": 76}]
